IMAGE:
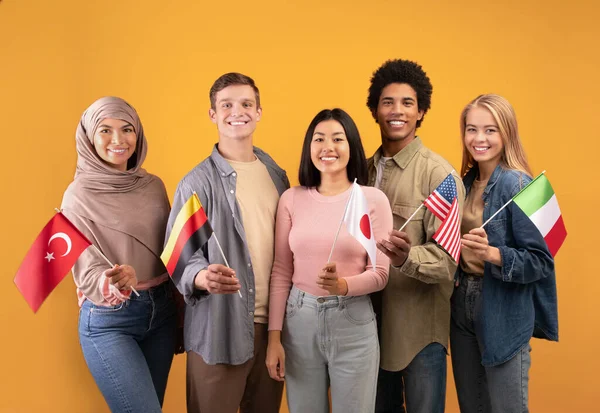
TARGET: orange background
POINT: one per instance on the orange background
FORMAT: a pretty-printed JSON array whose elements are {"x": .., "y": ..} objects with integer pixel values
[{"x": 56, "y": 57}]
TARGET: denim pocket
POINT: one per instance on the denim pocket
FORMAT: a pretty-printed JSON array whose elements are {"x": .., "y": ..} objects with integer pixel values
[
  {"x": 359, "y": 312},
  {"x": 290, "y": 309},
  {"x": 110, "y": 309}
]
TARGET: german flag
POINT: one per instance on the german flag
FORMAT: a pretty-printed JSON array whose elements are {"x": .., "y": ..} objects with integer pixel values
[{"x": 190, "y": 232}]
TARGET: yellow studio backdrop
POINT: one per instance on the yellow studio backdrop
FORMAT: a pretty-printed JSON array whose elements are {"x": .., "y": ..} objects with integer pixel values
[{"x": 57, "y": 57}]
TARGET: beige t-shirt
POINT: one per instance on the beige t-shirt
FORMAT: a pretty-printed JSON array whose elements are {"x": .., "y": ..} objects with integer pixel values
[
  {"x": 472, "y": 218},
  {"x": 257, "y": 198}
]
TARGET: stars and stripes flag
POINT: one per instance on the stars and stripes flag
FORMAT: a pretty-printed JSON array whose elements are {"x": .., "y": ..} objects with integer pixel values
[{"x": 443, "y": 203}]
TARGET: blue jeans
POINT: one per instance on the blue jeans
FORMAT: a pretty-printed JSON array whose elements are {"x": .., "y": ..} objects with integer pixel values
[
  {"x": 129, "y": 348},
  {"x": 330, "y": 342},
  {"x": 422, "y": 384},
  {"x": 497, "y": 389}
]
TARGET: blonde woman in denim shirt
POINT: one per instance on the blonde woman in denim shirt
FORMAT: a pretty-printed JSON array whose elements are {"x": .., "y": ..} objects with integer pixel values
[{"x": 506, "y": 286}]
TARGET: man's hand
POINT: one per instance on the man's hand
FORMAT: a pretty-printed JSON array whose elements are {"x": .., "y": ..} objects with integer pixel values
[
  {"x": 396, "y": 248},
  {"x": 217, "y": 279}
]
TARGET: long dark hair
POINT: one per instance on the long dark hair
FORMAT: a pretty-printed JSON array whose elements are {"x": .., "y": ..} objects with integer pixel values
[{"x": 309, "y": 175}]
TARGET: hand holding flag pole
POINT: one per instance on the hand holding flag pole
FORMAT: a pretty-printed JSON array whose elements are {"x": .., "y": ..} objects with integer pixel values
[
  {"x": 106, "y": 259},
  {"x": 191, "y": 231},
  {"x": 443, "y": 203}
]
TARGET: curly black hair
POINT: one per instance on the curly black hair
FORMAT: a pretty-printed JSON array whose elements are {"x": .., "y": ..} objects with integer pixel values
[{"x": 401, "y": 71}]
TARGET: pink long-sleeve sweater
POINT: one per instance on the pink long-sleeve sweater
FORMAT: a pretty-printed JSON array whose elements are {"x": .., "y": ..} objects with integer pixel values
[{"x": 304, "y": 232}]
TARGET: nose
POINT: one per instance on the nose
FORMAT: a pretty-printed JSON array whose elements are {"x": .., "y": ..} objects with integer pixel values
[
  {"x": 116, "y": 137},
  {"x": 397, "y": 107}
]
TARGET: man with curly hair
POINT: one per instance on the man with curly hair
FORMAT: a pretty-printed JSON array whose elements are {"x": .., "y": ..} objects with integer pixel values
[{"x": 414, "y": 308}]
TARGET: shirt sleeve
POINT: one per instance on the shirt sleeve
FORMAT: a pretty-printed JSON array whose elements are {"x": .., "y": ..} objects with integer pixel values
[
  {"x": 375, "y": 278},
  {"x": 283, "y": 265},
  {"x": 429, "y": 262}
]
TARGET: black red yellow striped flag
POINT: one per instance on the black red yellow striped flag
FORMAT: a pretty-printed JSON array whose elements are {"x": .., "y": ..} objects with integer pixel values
[{"x": 191, "y": 230}]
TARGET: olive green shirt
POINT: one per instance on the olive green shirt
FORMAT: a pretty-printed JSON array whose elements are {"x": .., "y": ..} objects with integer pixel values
[{"x": 416, "y": 302}]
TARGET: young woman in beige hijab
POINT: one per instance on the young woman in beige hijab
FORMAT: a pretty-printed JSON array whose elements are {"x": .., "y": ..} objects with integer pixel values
[{"x": 128, "y": 341}]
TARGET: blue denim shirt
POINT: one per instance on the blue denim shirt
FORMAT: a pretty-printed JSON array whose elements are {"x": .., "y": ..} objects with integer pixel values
[
  {"x": 519, "y": 298},
  {"x": 220, "y": 328}
]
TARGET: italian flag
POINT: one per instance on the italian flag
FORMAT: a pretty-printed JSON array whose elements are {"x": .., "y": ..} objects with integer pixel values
[{"x": 539, "y": 203}]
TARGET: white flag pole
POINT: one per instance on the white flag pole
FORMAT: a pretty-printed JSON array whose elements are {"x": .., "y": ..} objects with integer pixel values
[
  {"x": 105, "y": 259},
  {"x": 505, "y": 205},
  {"x": 411, "y": 217},
  {"x": 223, "y": 255},
  {"x": 341, "y": 222}
]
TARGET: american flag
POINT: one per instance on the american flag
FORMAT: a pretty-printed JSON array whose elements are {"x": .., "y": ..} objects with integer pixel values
[{"x": 443, "y": 203}]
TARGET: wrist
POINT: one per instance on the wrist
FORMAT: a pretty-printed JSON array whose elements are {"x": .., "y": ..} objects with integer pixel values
[
  {"x": 494, "y": 256},
  {"x": 274, "y": 336},
  {"x": 200, "y": 280},
  {"x": 342, "y": 286}
]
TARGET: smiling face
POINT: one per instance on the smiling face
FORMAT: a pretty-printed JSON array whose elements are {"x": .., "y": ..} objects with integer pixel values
[
  {"x": 115, "y": 142},
  {"x": 482, "y": 137},
  {"x": 236, "y": 112},
  {"x": 397, "y": 113},
  {"x": 329, "y": 148}
]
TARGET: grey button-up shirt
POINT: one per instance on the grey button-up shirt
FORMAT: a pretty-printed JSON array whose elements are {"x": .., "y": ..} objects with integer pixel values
[{"x": 220, "y": 327}]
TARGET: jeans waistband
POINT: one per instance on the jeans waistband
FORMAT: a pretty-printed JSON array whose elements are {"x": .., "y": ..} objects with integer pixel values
[
  {"x": 155, "y": 292},
  {"x": 327, "y": 301}
]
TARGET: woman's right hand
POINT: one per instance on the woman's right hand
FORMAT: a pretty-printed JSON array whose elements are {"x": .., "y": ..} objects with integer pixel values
[
  {"x": 122, "y": 276},
  {"x": 276, "y": 360}
]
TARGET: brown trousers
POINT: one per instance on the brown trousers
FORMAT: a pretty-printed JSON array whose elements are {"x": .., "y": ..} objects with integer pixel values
[{"x": 223, "y": 388}]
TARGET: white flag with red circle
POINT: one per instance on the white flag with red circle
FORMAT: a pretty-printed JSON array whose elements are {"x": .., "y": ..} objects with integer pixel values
[{"x": 358, "y": 222}]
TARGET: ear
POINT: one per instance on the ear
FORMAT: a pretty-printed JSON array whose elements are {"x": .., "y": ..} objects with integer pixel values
[
  {"x": 421, "y": 113},
  {"x": 259, "y": 114},
  {"x": 212, "y": 115}
]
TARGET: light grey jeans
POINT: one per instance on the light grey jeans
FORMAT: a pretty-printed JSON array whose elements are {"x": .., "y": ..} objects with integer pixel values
[{"x": 330, "y": 342}]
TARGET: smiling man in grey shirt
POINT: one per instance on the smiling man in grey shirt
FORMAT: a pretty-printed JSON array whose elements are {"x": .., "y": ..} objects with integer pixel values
[{"x": 225, "y": 335}]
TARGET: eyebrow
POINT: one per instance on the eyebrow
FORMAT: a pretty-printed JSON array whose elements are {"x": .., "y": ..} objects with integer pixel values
[
  {"x": 485, "y": 126},
  {"x": 403, "y": 98},
  {"x": 334, "y": 133},
  {"x": 127, "y": 125}
]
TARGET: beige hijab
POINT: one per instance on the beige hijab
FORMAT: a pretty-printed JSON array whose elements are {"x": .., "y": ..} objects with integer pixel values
[{"x": 130, "y": 201}]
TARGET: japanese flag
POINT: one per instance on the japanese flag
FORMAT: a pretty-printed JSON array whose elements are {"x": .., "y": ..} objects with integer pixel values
[{"x": 358, "y": 221}]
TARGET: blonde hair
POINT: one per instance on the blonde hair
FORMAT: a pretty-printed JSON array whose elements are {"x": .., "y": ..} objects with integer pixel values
[{"x": 513, "y": 155}]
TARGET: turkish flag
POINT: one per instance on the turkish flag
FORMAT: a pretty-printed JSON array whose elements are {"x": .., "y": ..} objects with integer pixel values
[{"x": 49, "y": 259}]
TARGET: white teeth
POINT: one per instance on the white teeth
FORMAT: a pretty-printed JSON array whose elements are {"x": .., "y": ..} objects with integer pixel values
[
  {"x": 481, "y": 148},
  {"x": 117, "y": 150},
  {"x": 397, "y": 122},
  {"x": 237, "y": 123},
  {"x": 328, "y": 158}
]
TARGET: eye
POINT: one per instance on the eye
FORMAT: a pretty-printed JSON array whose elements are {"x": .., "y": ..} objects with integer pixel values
[
  {"x": 490, "y": 131},
  {"x": 338, "y": 139},
  {"x": 471, "y": 130},
  {"x": 318, "y": 139},
  {"x": 408, "y": 103},
  {"x": 226, "y": 105},
  {"x": 248, "y": 105},
  {"x": 128, "y": 129},
  {"x": 104, "y": 130}
]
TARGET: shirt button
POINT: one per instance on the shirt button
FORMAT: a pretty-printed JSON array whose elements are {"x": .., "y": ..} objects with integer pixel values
[
  {"x": 231, "y": 191},
  {"x": 251, "y": 313},
  {"x": 249, "y": 264},
  {"x": 223, "y": 173},
  {"x": 234, "y": 174},
  {"x": 250, "y": 290}
]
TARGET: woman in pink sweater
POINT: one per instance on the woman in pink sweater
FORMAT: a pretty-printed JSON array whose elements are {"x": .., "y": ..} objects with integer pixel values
[{"x": 322, "y": 330}]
